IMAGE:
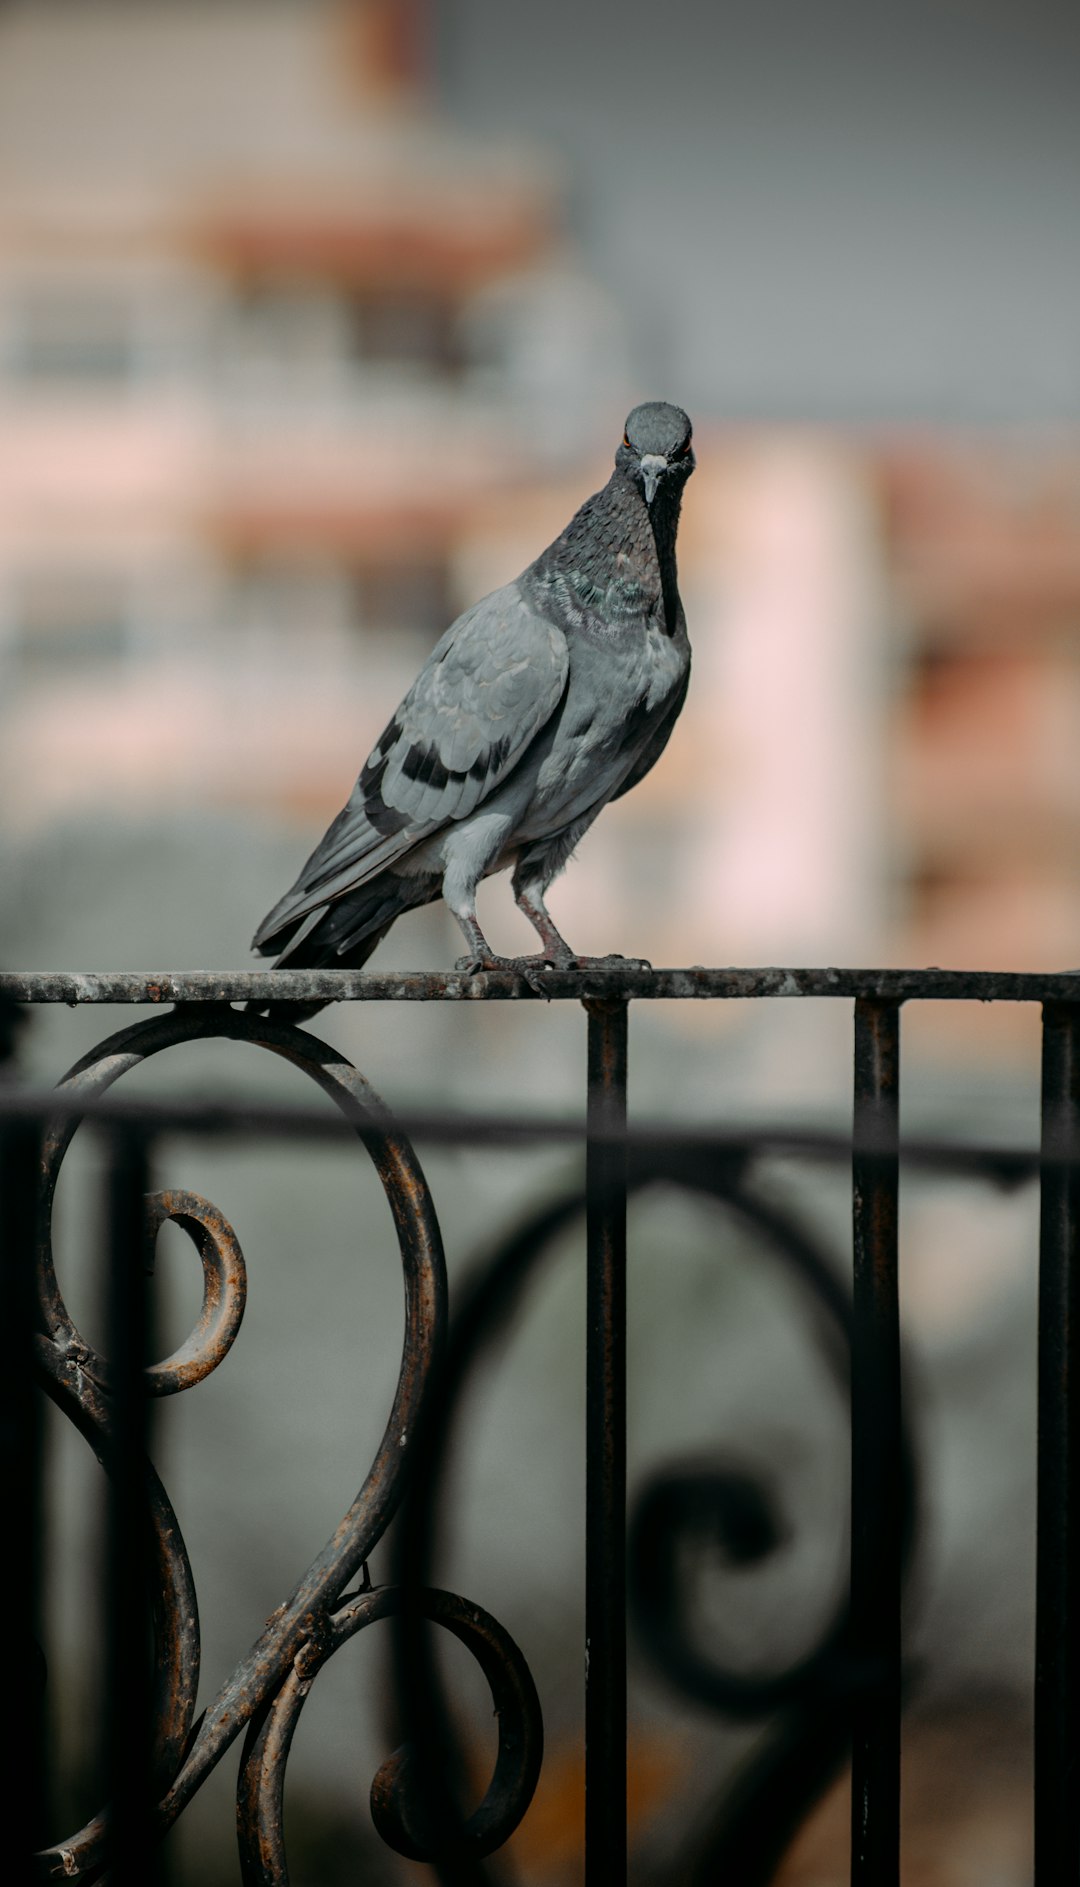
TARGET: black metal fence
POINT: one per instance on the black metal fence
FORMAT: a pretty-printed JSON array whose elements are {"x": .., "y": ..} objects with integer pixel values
[{"x": 844, "y": 1696}]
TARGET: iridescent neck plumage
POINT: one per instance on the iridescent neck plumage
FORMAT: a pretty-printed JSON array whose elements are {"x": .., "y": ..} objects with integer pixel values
[{"x": 616, "y": 557}]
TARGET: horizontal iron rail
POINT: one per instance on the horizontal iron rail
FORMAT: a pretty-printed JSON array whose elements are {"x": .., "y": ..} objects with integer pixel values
[
  {"x": 1009, "y": 1165},
  {"x": 630, "y": 983}
]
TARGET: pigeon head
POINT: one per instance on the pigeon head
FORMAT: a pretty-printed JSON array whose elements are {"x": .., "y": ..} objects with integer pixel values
[{"x": 656, "y": 453}]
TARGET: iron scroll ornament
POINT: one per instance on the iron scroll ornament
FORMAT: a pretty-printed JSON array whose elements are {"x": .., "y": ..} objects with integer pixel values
[
  {"x": 808, "y": 1704},
  {"x": 266, "y": 1690},
  {"x": 413, "y": 1808}
]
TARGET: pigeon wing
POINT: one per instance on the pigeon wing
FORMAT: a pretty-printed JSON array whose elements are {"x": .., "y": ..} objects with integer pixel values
[{"x": 488, "y": 687}]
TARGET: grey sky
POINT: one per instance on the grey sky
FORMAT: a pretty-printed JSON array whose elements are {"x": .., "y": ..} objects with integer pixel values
[{"x": 829, "y": 210}]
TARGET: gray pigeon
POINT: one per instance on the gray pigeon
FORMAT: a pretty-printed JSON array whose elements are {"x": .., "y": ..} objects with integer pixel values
[{"x": 544, "y": 701}]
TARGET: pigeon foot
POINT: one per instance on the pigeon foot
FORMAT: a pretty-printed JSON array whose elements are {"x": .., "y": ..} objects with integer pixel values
[{"x": 534, "y": 969}]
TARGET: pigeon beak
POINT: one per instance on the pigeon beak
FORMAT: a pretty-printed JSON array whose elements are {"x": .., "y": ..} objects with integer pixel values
[{"x": 653, "y": 467}]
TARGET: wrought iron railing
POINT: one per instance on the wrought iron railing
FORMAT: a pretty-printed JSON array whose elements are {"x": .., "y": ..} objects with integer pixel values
[{"x": 844, "y": 1695}]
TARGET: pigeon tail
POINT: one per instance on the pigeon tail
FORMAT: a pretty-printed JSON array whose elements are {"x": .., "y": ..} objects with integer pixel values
[{"x": 343, "y": 936}]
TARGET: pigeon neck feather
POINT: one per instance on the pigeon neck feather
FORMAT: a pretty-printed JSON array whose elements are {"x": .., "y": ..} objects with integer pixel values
[{"x": 616, "y": 557}]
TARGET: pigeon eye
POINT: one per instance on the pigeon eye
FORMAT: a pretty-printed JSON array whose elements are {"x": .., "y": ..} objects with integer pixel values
[
  {"x": 626, "y": 438},
  {"x": 683, "y": 449}
]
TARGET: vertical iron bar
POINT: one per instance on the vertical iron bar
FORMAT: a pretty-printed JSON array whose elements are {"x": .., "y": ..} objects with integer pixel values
[
  {"x": 876, "y": 1458},
  {"x": 128, "y": 1688},
  {"x": 605, "y": 1444},
  {"x": 22, "y": 1772},
  {"x": 1057, "y": 1620}
]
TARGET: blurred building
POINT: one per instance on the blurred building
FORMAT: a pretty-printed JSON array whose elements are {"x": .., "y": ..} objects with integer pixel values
[
  {"x": 271, "y": 341},
  {"x": 290, "y": 372},
  {"x": 984, "y": 550}
]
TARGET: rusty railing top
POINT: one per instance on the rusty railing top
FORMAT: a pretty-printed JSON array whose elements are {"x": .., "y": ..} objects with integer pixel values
[{"x": 634, "y": 982}]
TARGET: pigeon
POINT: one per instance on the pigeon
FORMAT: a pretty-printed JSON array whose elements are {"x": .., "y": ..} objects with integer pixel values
[{"x": 547, "y": 699}]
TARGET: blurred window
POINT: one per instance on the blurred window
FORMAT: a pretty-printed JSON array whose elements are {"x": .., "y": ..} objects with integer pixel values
[
  {"x": 279, "y": 343},
  {"x": 71, "y": 336},
  {"x": 410, "y": 599},
  {"x": 407, "y": 330},
  {"x": 280, "y": 326},
  {"x": 64, "y": 622},
  {"x": 279, "y": 337},
  {"x": 282, "y": 605},
  {"x": 287, "y": 600}
]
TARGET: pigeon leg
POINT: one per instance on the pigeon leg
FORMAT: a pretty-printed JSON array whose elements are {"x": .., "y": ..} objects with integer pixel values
[
  {"x": 530, "y": 900},
  {"x": 482, "y": 957},
  {"x": 557, "y": 951}
]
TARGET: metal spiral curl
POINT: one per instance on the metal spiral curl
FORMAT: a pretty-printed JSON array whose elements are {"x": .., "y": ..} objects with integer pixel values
[
  {"x": 268, "y": 1685},
  {"x": 414, "y": 1796},
  {"x": 759, "y": 1816},
  {"x": 733, "y": 1513},
  {"x": 224, "y": 1289},
  {"x": 398, "y": 1807},
  {"x": 735, "y": 1510}
]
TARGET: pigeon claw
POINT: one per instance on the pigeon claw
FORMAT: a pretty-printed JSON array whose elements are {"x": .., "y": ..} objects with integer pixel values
[
  {"x": 472, "y": 966},
  {"x": 534, "y": 969}
]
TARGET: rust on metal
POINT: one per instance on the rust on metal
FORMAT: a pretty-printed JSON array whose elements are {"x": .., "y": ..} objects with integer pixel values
[
  {"x": 397, "y": 1810},
  {"x": 853, "y": 1673},
  {"x": 625, "y": 983},
  {"x": 79, "y": 1380}
]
